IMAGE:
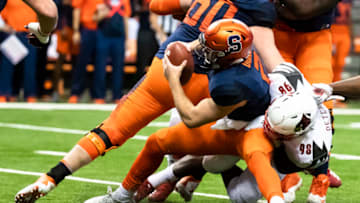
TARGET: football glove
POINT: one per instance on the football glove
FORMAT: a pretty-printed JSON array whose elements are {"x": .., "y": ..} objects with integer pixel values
[{"x": 323, "y": 92}]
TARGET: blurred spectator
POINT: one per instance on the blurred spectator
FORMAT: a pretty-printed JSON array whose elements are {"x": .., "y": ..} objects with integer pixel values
[
  {"x": 131, "y": 40},
  {"x": 146, "y": 42},
  {"x": 341, "y": 37},
  {"x": 85, "y": 29},
  {"x": 163, "y": 26},
  {"x": 16, "y": 15},
  {"x": 112, "y": 18},
  {"x": 65, "y": 47}
]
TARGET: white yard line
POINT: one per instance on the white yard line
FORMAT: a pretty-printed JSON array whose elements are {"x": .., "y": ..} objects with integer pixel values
[
  {"x": 344, "y": 156},
  {"x": 51, "y": 129},
  {"x": 50, "y": 153},
  {"x": 59, "y": 106},
  {"x": 107, "y": 107},
  {"x": 88, "y": 180}
]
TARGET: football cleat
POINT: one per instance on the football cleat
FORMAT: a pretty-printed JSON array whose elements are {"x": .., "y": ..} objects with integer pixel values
[
  {"x": 143, "y": 191},
  {"x": 36, "y": 190},
  {"x": 186, "y": 187},
  {"x": 335, "y": 180},
  {"x": 318, "y": 189},
  {"x": 289, "y": 185},
  {"x": 162, "y": 192},
  {"x": 108, "y": 198}
]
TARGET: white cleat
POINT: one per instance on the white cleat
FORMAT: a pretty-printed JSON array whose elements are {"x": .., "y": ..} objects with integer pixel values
[
  {"x": 277, "y": 199},
  {"x": 36, "y": 190},
  {"x": 109, "y": 198}
]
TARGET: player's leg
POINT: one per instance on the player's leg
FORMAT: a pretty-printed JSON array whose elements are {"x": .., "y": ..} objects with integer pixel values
[
  {"x": 175, "y": 140},
  {"x": 146, "y": 102},
  {"x": 256, "y": 150},
  {"x": 319, "y": 185},
  {"x": 188, "y": 166}
]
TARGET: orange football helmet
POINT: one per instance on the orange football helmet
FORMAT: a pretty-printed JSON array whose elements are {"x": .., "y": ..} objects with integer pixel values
[{"x": 225, "y": 42}]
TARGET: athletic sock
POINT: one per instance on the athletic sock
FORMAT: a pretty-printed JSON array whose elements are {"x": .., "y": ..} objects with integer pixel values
[
  {"x": 162, "y": 176},
  {"x": 59, "y": 172}
]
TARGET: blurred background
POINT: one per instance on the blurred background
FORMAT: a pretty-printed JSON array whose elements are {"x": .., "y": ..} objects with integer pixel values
[{"x": 101, "y": 48}]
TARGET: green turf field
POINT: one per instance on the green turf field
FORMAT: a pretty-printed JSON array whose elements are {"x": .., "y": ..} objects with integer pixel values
[{"x": 18, "y": 146}]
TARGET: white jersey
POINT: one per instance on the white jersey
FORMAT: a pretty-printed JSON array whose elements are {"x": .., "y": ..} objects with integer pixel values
[{"x": 311, "y": 149}]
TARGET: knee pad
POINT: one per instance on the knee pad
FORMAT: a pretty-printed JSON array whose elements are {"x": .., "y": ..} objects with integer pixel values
[
  {"x": 219, "y": 163},
  {"x": 100, "y": 140}
]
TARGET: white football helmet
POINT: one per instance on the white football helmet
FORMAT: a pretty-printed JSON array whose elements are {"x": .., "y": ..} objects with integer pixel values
[{"x": 290, "y": 116}]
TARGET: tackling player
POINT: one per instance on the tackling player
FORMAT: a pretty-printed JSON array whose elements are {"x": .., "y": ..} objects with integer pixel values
[
  {"x": 47, "y": 14},
  {"x": 299, "y": 128},
  {"x": 152, "y": 96},
  {"x": 305, "y": 26},
  {"x": 238, "y": 90}
]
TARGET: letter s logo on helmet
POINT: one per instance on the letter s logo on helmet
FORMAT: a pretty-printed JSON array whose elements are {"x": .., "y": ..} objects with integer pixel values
[{"x": 226, "y": 41}]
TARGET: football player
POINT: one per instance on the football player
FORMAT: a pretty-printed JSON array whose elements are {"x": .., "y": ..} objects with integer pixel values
[
  {"x": 151, "y": 97},
  {"x": 47, "y": 14},
  {"x": 237, "y": 91},
  {"x": 300, "y": 130},
  {"x": 306, "y": 26}
]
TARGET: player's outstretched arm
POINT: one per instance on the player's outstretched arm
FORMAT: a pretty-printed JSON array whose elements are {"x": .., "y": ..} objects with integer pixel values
[
  {"x": 349, "y": 88},
  {"x": 266, "y": 49},
  {"x": 47, "y": 13}
]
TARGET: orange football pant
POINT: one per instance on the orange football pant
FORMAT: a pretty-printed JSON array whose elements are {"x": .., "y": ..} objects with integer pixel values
[
  {"x": 309, "y": 51},
  {"x": 147, "y": 101},
  {"x": 252, "y": 146},
  {"x": 341, "y": 46}
]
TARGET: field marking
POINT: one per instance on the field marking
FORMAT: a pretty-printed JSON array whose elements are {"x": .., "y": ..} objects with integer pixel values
[
  {"x": 57, "y": 130},
  {"x": 59, "y": 106},
  {"x": 344, "y": 156},
  {"x": 107, "y": 107},
  {"x": 104, "y": 182},
  {"x": 50, "y": 153}
]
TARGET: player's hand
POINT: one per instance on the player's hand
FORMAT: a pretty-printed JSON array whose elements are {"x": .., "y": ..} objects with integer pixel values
[
  {"x": 322, "y": 92},
  {"x": 171, "y": 71},
  {"x": 76, "y": 37},
  {"x": 35, "y": 36}
]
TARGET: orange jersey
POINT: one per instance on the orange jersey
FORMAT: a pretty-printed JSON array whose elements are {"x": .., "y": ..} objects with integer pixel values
[
  {"x": 17, "y": 14},
  {"x": 88, "y": 9}
]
